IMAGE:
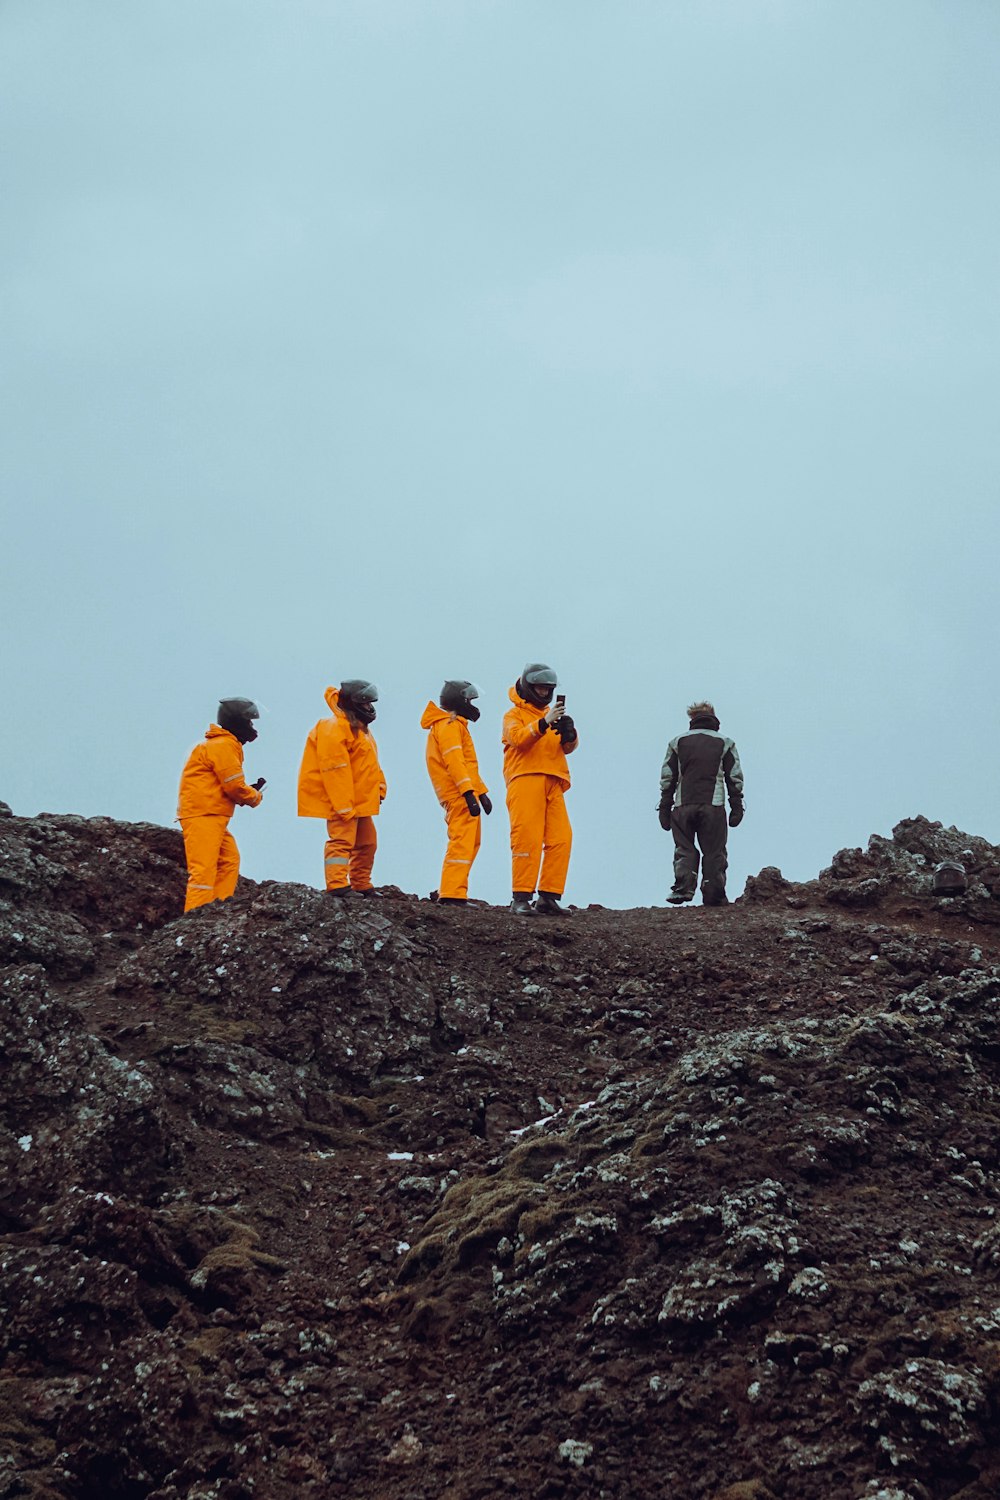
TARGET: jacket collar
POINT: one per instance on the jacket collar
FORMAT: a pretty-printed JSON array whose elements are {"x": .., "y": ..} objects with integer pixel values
[{"x": 519, "y": 702}]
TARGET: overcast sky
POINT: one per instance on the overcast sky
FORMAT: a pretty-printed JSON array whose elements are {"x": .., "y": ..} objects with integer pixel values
[{"x": 412, "y": 340}]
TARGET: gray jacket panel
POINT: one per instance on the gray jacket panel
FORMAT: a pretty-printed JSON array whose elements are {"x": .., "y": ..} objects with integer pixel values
[{"x": 700, "y": 768}]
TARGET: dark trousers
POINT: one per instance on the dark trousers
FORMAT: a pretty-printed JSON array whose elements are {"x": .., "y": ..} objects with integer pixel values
[{"x": 709, "y": 826}]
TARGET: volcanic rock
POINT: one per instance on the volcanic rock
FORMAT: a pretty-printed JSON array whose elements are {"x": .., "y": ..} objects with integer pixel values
[{"x": 394, "y": 1201}]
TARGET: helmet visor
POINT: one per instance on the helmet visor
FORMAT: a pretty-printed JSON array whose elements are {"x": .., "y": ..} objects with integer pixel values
[
  {"x": 360, "y": 690},
  {"x": 539, "y": 675}
]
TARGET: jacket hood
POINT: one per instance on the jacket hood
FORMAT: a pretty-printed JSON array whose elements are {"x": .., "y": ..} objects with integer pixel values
[
  {"x": 522, "y": 702},
  {"x": 434, "y": 713},
  {"x": 704, "y": 721},
  {"x": 515, "y": 697},
  {"x": 332, "y": 696},
  {"x": 215, "y": 732}
]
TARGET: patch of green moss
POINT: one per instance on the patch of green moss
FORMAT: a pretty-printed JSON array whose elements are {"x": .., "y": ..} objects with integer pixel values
[
  {"x": 359, "y": 1105},
  {"x": 474, "y": 1216},
  {"x": 206, "y": 1348},
  {"x": 237, "y": 1253}
]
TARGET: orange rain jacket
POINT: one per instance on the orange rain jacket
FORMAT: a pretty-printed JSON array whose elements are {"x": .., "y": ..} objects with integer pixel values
[
  {"x": 340, "y": 775},
  {"x": 451, "y": 755},
  {"x": 525, "y": 751},
  {"x": 212, "y": 781}
]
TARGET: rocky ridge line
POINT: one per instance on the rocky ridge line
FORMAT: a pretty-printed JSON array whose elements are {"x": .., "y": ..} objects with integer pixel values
[{"x": 389, "y": 1200}]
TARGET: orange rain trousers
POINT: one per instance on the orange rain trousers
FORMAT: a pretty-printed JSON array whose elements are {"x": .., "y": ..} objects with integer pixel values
[
  {"x": 213, "y": 860},
  {"x": 464, "y": 837},
  {"x": 540, "y": 834},
  {"x": 349, "y": 853}
]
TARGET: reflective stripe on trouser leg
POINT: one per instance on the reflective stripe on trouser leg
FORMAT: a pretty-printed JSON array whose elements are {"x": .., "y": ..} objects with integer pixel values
[
  {"x": 363, "y": 855},
  {"x": 337, "y": 851},
  {"x": 204, "y": 839},
  {"x": 558, "y": 839},
  {"x": 464, "y": 838},
  {"x": 526, "y": 798}
]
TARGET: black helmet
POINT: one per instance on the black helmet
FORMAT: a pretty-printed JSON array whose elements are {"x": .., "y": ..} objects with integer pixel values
[
  {"x": 457, "y": 698},
  {"x": 537, "y": 683},
  {"x": 359, "y": 697},
  {"x": 237, "y": 715}
]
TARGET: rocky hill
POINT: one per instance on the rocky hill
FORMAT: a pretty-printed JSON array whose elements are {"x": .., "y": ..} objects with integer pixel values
[{"x": 390, "y": 1201}]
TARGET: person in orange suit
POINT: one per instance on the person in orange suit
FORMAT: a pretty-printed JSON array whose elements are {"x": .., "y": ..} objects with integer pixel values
[
  {"x": 340, "y": 779},
  {"x": 212, "y": 785},
  {"x": 461, "y": 791},
  {"x": 538, "y": 735}
]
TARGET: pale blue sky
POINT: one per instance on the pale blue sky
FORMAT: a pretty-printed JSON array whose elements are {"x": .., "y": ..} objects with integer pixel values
[{"x": 413, "y": 340}]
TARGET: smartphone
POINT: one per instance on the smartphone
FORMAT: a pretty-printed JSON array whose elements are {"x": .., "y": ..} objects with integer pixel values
[{"x": 560, "y": 700}]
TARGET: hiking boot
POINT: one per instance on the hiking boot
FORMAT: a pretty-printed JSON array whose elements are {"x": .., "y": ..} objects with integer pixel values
[
  {"x": 547, "y": 905},
  {"x": 521, "y": 905},
  {"x": 451, "y": 901},
  {"x": 340, "y": 891},
  {"x": 676, "y": 899}
]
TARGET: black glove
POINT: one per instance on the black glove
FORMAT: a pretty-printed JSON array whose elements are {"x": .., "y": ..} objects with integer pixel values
[
  {"x": 259, "y": 784},
  {"x": 735, "y": 814},
  {"x": 485, "y": 803},
  {"x": 566, "y": 729},
  {"x": 472, "y": 804},
  {"x": 543, "y": 724},
  {"x": 665, "y": 810}
]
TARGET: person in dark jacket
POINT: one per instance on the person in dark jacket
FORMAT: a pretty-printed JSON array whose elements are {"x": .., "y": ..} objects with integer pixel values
[{"x": 700, "y": 769}]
